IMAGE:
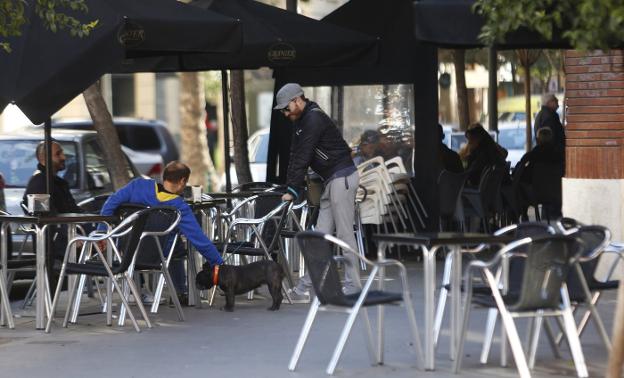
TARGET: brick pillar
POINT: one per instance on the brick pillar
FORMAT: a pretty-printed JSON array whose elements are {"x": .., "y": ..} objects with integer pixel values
[{"x": 594, "y": 184}]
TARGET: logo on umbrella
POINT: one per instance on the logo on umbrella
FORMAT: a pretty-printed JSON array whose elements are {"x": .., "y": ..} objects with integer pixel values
[
  {"x": 131, "y": 34},
  {"x": 282, "y": 53}
]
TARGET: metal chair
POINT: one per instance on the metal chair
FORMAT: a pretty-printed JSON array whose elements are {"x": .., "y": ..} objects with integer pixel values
[
  {"x": 584, "y": 288},
  {"x": 548, "y": 260},
  {"x": 160, "y": 232},
  {"x": 317, "y": 250},
  {"x": 513, "y": 278},
  {"x": 484, "y": 202},
  {"x": 128, "y": 235}
]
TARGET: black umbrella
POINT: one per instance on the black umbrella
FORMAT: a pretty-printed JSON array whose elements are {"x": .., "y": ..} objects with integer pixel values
[
  {"x": 463, "y": 26},
  {"x": 46, "y": 70},
  {"x": 272, "y": 37}
]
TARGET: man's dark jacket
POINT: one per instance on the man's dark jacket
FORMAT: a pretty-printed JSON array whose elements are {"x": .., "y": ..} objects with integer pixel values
[
  {"x": 549, "y": 118},
  {"x": 61, "y": 201},
  {"x": 316, "y": 143}
]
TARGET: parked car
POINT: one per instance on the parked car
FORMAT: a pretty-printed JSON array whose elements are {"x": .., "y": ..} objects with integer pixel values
[
  {"x": 86, "y": 170},
  {"x": 146, "y": 136},
  {"x": 258, "y": 147},
  {"x": 147, "y": 164}
]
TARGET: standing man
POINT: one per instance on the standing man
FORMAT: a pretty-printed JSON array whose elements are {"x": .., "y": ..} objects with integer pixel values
[
  {"x": 548, "y": 117},
  {"x": 318, "y": 144}
]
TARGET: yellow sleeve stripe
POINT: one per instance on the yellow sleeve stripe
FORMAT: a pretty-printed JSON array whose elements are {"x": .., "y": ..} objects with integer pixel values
[{"x": 163, "y": 196}]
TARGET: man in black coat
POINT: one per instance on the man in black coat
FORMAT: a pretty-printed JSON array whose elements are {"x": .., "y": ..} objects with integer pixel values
[
  {"x": 61, "y": 199},
  {"x": 548, "y": 117},
  {"x": 449, "y": 159},
  {"x": 318, "y": 144}
]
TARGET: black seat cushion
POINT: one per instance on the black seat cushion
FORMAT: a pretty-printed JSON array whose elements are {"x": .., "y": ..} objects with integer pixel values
[
  {"x": 374, "y": 298},
  {"x": 241, "y": 248}
]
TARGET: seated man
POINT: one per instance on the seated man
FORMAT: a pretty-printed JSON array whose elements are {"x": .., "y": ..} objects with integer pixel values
[{"x": 149, "y": 193}]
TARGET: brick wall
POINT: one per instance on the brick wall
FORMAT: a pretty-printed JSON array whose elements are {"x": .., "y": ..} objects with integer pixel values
[{"x": 595, "y": 114}]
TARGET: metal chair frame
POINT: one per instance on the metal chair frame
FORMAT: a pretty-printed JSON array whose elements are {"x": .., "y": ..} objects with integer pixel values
[{"x": 375, "y": 354}]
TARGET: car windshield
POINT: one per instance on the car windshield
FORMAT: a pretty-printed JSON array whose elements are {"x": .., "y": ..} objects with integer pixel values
[
  {"x": 18, "y": 162},
  {"x": 512, "y": 139},
  {"x": 259, "y": 149}
]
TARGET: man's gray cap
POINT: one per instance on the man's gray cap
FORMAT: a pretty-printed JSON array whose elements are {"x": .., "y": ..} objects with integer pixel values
[
  {"x": 286, "y": 94},
  {"x": 547, "y": 97}
]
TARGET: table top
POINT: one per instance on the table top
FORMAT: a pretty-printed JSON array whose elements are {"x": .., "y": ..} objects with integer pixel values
[
  {"x": 205, "y": 204},
  {"x": 241, "y": 194},
  {"x": 61, "y": 218},
  {"x": 430, "y": 239}
]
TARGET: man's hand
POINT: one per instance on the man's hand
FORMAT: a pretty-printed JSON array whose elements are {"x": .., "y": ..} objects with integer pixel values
[
  {"x": 287, "y": 197},
  {"x": 102, "y": 245}
]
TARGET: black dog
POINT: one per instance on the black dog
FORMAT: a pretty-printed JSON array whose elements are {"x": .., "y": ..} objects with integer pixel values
[{"x": 239, "y": 279}]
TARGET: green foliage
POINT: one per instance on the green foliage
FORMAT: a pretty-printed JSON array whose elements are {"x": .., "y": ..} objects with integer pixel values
[
  {"x": 55, "y": 14},
  {"x": 585, "y": 24}
]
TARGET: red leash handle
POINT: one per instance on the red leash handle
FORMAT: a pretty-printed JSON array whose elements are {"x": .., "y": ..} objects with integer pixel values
[{"x": 215, "y": 275}]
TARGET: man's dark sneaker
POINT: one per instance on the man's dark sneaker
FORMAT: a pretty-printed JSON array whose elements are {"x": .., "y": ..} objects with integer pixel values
[{"x": 183, "y": 298}]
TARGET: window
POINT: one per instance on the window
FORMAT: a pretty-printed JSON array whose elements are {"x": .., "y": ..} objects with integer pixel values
[
  {"x": 18, "y": 162},
  {"x": 98, "y": 175},
  {"x": 123, "y": 94},
  {"x": 139, "y": 138}
]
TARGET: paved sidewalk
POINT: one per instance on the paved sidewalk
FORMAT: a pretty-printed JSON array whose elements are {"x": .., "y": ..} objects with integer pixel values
[{"x": 254, "y": 342}]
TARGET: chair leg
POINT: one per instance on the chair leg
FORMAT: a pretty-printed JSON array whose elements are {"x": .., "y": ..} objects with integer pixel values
[
  {"x": 294, "y": 359},
  {"x": 411, "y": 317},
  {"x": 534, "y": 339},
  {"x": 510, "y": 327},
  {"x": 459, "y": 350},
  {"x": 344, "y": 336},
  {"x": 490, "y": 327},
  {"x": 446, "y": 280},
  {"x": 72, "y": 293},
  {"x": 137, "y": 295},
  {"x": 57, "y": 293},
  {"x": 172, "y": 292},
  {"x": 6, "y": 304},
  {"x": 76, "y": 306},
  {"x": 370, "y": 343},
  {"x": 572, "y": 335},
  {"x": 551, "y": 339}
]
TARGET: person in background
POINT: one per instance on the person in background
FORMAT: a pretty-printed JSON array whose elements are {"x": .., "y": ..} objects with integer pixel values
[
  {"x": 368, "y": 147},
  {"x": 449, "y": 159},
  {"x": 212, "y": 130},
  {"x": 548, "y": 118},
  {"x": 483, "y": 152}
]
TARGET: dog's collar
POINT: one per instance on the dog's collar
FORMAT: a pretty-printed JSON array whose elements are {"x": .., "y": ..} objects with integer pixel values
[{"x": 215, "y": 275}]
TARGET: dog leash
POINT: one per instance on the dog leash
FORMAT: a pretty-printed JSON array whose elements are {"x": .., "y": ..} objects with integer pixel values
[{"x": 215, "y": 275}]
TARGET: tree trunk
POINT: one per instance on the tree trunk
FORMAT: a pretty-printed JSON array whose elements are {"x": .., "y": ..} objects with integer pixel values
[
  {"x": 616, "y": 358},
  {"x": 192, "y": 131},
  {"x": 107, "y": 136},
  {"x": 239, "y": 126},
  {"x": 527, "y": 105},
  {"x": 463, "y": 112}
]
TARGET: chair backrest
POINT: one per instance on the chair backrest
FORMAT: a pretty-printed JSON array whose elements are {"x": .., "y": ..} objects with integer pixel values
[
  {"x": 548, "y": 261},
  {"x": 129, "y": 233},
  {"x": 93, "y": 204},
  {"x": 159, "y": 222},
  {"x": 450, "y": 186},
  {"x": 271, "y": 229},
  {"x": 596, "y": 239},
  {"x": 490, "y": 187},
  {"x": 516, "y": 265},
  {"x": 318, "y": 254},
  {"x": 254, "y": 186}
]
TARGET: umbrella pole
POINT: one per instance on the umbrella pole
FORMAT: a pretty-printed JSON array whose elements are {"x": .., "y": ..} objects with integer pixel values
[
  {"x": 47, "y": 136},
  {"x": 226, "y": 129}
]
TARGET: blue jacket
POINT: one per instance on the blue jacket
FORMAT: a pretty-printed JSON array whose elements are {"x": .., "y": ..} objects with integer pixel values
[{"x": 145, "y": 192}]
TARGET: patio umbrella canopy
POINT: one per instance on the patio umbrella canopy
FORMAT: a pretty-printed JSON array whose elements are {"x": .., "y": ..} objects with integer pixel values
[
  {"x": 46, "y": 70},
  {"x": 464, "y": 26},
  {"x": 401, "y": 60},
  {"x": 272, "y": 37}
]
